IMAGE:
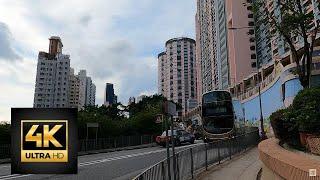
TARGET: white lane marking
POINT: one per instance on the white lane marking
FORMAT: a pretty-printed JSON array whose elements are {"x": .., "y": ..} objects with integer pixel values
[
  {"x": 15, "y": 176},
  {"x": 130, "y": 155}
]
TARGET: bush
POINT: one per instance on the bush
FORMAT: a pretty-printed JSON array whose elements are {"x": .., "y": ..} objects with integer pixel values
[
  {"x": 306, "y": 110},
  {"x": 284, "y": 127},
  {"x": 277, "y": 120}
]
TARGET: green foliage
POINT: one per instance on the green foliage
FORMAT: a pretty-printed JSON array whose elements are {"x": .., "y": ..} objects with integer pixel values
[
  {"x": 306, "y": 110},
  {"x": 113, "y": 122},
  {"x": 302, "y": 116},
  {"x": 284, "y": 126}
]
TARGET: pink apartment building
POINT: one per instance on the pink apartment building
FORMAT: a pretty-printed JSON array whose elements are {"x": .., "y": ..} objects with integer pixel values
[
  {"x": 241, "y": 41},
  {"x": 225, "y": 44}
]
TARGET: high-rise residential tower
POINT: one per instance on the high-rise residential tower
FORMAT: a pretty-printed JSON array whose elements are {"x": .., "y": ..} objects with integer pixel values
[
  {"x": 74, "y": 90},
  {"x": 225, "y": 51},
  {"x": 57, "y": 85},
  {"x": 52, "y": 79},
  {"x": 270, "y": 47},
  {"x": 177, "y": 71},
  {"x": 109, "y": 96},
  {"x": 212, "y": 45},
  {"x": 87, "y": 90}
]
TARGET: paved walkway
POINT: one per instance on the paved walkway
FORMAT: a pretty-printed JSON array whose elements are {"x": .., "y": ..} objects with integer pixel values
[{"x": 243, "y": 167}]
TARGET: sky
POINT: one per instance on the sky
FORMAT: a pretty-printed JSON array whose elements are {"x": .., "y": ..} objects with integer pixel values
[{"x": 116, "y": 41}]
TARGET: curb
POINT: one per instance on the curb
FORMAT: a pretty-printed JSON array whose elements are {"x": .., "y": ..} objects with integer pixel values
[{"x": 8, "y": 160}]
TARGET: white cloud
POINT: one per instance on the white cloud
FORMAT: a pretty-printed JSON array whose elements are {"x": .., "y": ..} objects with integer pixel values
[{"x": 115, "y": 41}]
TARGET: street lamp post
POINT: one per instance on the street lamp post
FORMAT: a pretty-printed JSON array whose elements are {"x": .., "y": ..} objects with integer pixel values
[{"x": 263, "y": 133}]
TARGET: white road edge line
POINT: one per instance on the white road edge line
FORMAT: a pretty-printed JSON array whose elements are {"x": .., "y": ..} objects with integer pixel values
[{"x": 15, "y": 176}]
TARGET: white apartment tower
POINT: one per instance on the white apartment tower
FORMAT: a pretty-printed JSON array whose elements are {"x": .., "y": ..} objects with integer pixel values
[
  {"x": 52, "y": 79},
  {"x": 56, "y": 84},
  {"x": 87, "y": 90},
  {"x": 177, "y": 71}
]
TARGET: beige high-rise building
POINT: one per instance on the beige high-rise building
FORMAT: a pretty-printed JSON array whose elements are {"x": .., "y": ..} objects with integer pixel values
[
  {"x": 52, "y": 80},
  {"x": 177, "y": 71},
  {"x": 56, "y": 85},
  {"x": 74, "y": 90}
]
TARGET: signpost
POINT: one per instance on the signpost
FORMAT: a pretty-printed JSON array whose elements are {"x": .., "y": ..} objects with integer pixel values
[{"x": 170, "y": 109}]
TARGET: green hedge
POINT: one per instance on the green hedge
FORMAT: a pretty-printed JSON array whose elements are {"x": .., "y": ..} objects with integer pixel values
[{"x": 302, "y": 116}]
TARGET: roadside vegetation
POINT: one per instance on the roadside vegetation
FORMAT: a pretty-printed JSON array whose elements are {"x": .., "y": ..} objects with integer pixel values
[
  {"x": 115, "y": 120},
  {"x": 293, "y": 124}
]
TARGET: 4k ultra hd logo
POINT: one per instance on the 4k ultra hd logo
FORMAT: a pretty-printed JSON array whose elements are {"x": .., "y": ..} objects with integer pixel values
[{"x": 44, "y": 141}]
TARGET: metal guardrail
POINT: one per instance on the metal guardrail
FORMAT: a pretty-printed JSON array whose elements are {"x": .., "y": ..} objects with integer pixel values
[
  {"x": 101, "y": 143},
  {"x": 114, "y": 142},
  {"x": 4, "y": 151},
  {"x": 193, "y": 159}
]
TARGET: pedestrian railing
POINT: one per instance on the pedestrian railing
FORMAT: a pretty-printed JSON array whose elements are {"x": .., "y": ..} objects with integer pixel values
[
  {"x": 4, "y": 151},
  {"x": 97, "y": 144},
  {"x": 191, "y": 160},
  {"x": 114, "y": 142}
]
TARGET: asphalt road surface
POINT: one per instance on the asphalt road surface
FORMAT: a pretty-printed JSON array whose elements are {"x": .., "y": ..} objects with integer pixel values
[{"x": 114, "y": 165}]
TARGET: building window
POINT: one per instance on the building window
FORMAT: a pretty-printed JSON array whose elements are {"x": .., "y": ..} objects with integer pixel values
[
  {"x": 253, "y": 56},
  {"x": 251, "y": 32}
]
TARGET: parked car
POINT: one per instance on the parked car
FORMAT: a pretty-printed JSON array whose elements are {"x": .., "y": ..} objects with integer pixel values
[{"x": 181, "y": 136}]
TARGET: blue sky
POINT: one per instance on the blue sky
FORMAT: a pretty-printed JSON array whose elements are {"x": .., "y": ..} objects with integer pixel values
[{"x": 115, "y": 41}]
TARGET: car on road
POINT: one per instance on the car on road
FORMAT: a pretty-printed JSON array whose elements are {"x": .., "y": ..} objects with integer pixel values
[{"x": 180, "y": 136}]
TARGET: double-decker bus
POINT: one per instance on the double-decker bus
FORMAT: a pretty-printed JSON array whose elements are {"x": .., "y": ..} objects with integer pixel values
[{"x": 217, "y": 115}]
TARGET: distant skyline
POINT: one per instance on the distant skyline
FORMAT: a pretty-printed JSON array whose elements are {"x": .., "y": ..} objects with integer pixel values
[{"x": 115, "y": 41}]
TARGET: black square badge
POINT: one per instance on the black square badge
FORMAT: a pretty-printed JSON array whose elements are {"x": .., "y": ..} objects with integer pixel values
[{"x": 44, "y": 141}]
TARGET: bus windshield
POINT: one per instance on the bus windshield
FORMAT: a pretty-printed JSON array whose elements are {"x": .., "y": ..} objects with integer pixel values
[
  {"x": 216, "y": 96},
  {"x": 217, "y": 108}
]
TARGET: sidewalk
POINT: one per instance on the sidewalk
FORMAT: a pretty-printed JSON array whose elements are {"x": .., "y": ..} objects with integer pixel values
[{"x": 243, "y": 167}]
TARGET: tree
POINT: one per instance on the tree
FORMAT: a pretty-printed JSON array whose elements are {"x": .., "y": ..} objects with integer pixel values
[{"x": 293, "y": 22}]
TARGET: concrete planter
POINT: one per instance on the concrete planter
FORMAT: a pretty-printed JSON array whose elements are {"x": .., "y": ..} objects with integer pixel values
[
  {"x": 303, "y": 138},
  {"x": 279, "y": 163},
  {"x": 313, "y": 144}
]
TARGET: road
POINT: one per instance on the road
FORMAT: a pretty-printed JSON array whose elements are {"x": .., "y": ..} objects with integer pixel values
[{"x": 114, "y": 165}]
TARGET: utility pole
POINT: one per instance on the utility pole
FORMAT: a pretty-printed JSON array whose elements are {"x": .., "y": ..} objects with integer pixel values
[
  {"x": 263, "y": 133},
  {"x": 173, "y": 153},
  {"x": 167, "y": 146}
]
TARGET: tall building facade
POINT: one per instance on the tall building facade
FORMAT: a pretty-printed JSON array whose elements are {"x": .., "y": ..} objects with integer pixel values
[
  {"x": 270, "y": 47},
  {"x": 91, "y": 92},
  {"x": 87, "y": 90},
  {"x": 225, "y": 52},
  {"x": 109, "y": 96},
  {"x": 74, "y": 90},
  {"x": 177, "y": 71},
  {"x": 241, "y": 41},
  {"x": 52, "y": 79},
  {"x": 56, "y": 84},
  {"x": 132, "y": 100},
  {"x": 212, "y": 43}
]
